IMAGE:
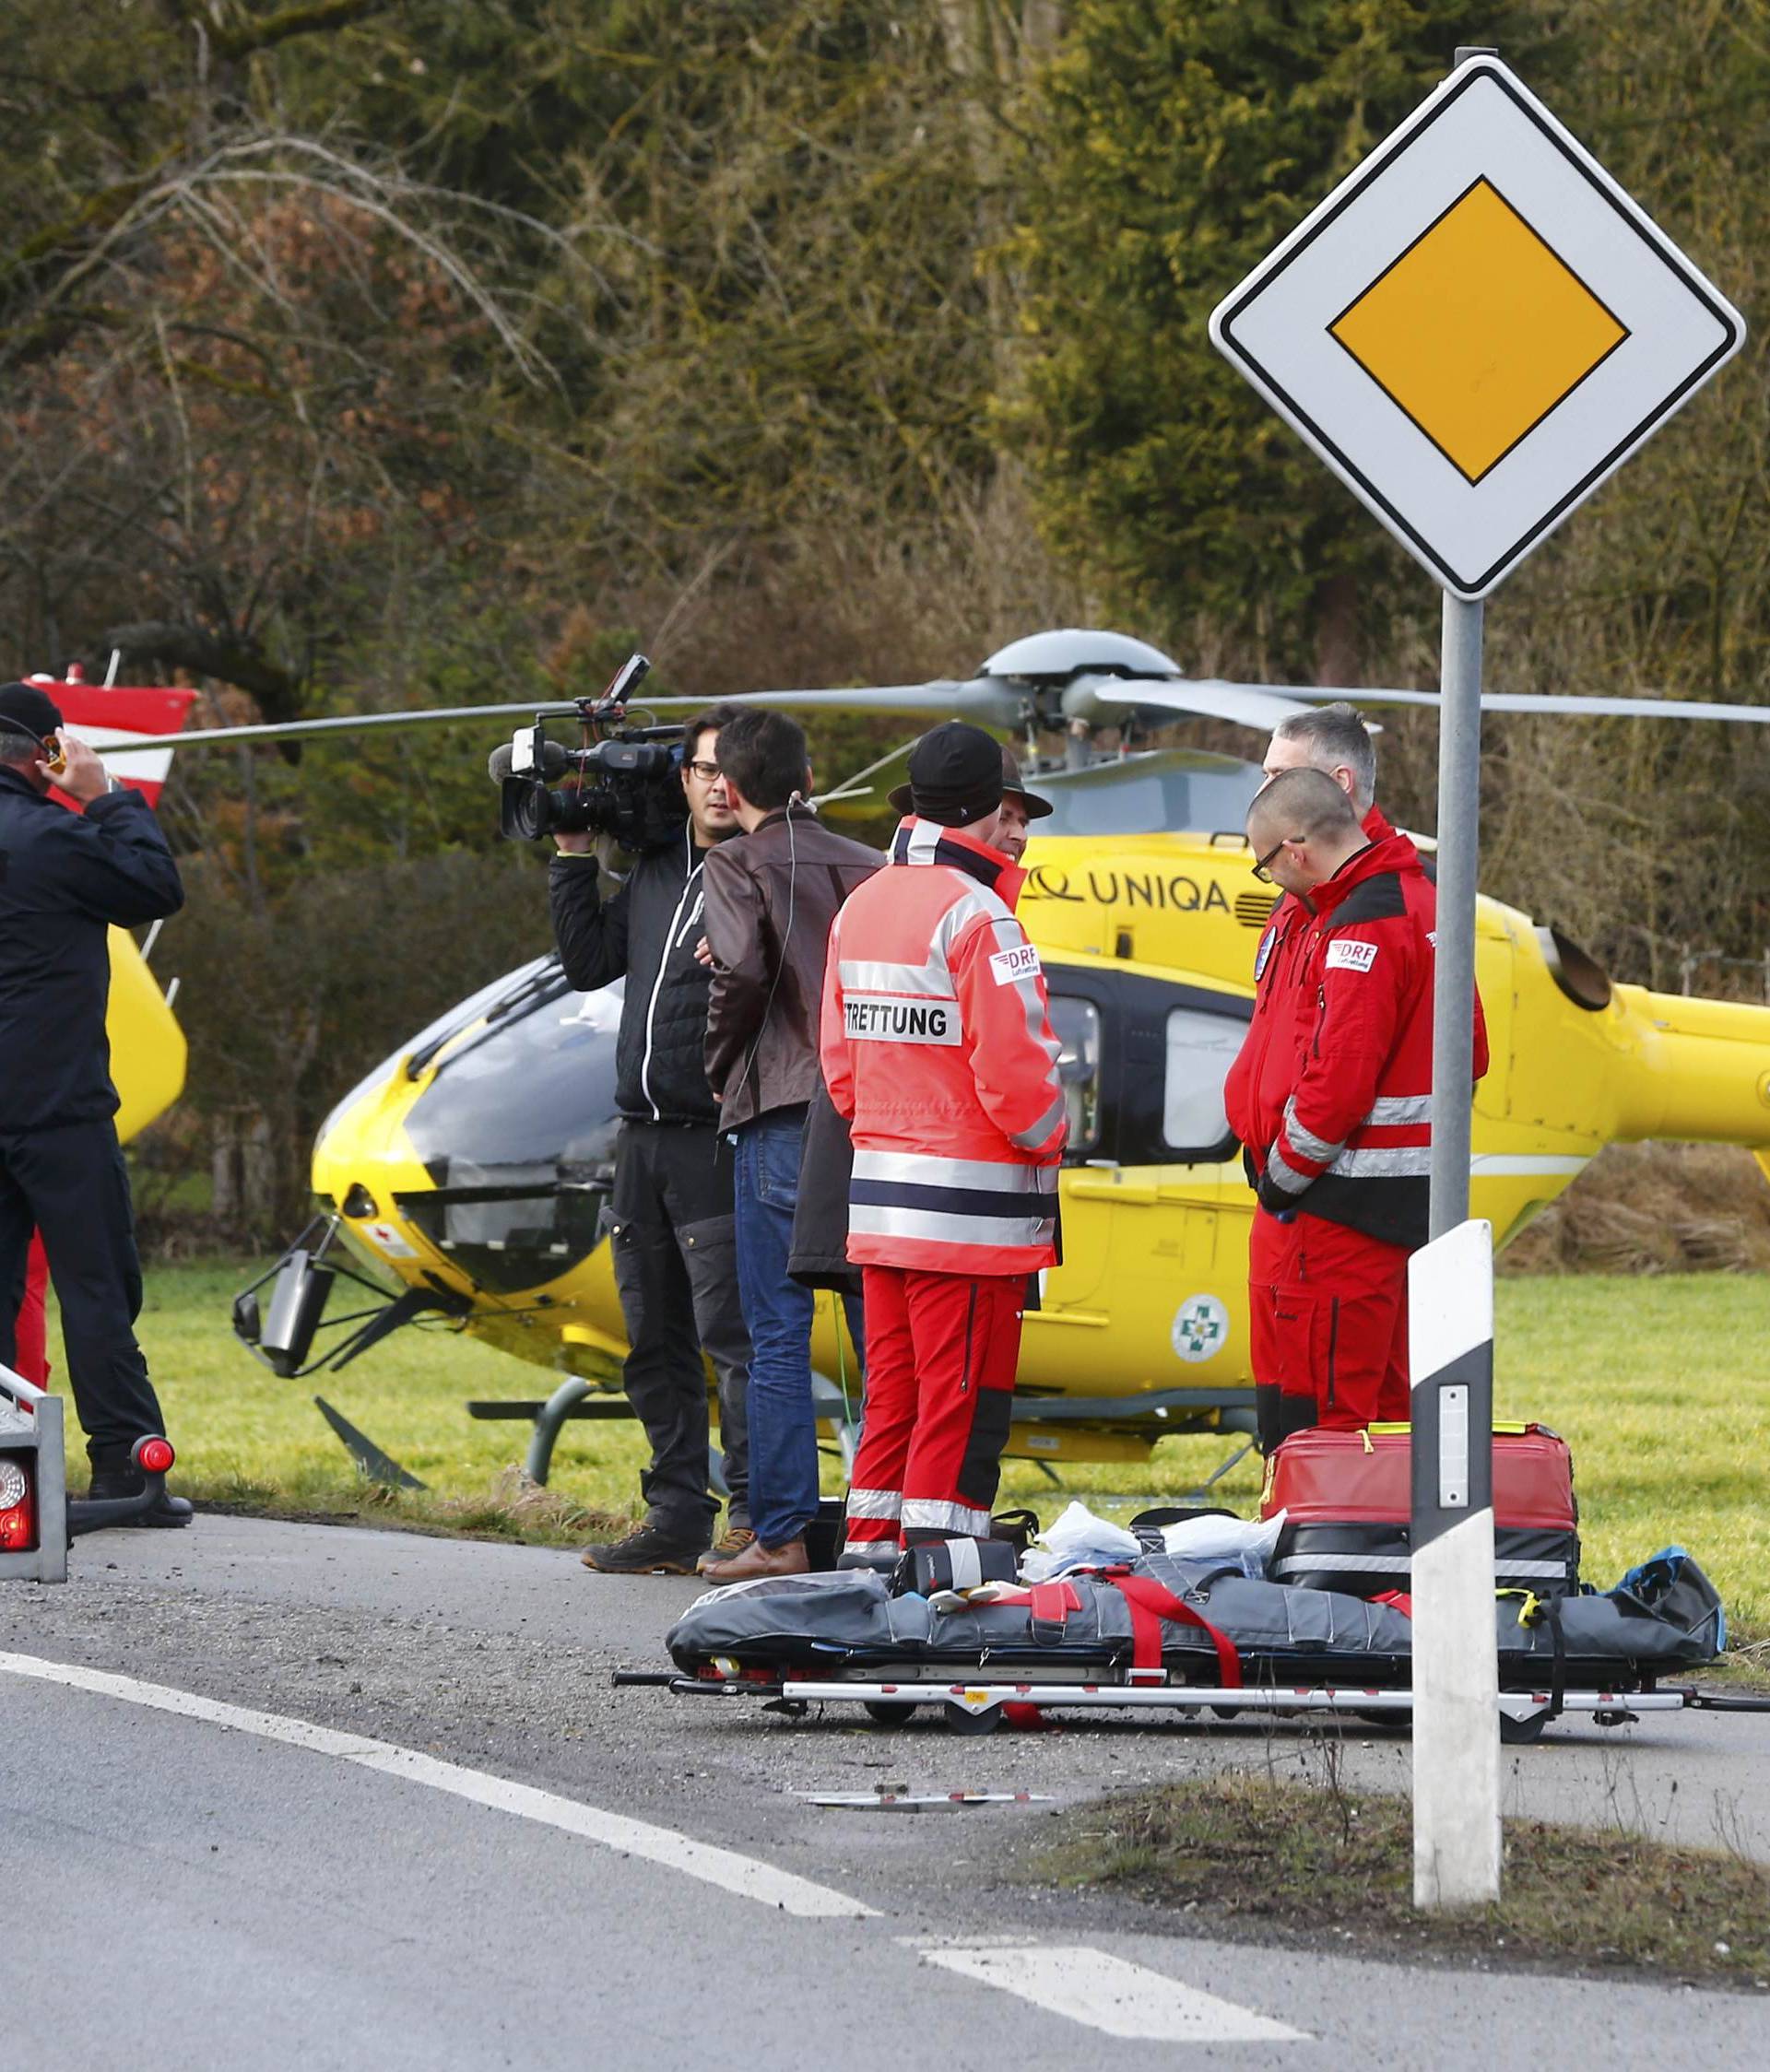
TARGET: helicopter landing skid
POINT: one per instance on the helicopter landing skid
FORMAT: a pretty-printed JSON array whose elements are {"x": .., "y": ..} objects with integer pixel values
[{"x": 578, "y": 1399}]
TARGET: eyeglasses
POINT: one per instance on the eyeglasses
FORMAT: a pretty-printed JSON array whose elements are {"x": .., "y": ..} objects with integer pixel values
[
  {"x": 1260, "y": 868},
  {"x": 707, "y": 772}
]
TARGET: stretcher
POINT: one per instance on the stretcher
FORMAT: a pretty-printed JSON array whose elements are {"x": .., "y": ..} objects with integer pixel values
[{"x": 1197, "y": 1642}]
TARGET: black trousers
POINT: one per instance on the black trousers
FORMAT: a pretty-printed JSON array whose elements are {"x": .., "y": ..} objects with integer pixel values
[
  {"x": 70, "y": 1183},
  {"x": 675, "y": 1269}
]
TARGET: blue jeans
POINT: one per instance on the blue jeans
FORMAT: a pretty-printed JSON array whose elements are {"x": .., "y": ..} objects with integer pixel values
[{"x": 783, "y": 1432}]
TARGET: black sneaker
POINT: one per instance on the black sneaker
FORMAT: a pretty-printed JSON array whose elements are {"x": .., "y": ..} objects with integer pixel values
[{"x": 650, "y": 1550}]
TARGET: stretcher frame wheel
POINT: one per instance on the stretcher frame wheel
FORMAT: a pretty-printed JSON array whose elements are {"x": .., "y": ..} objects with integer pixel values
[
  {"x": 961, "y": 1719},
  {"x": 890, "y": 1712},
  {"x": 1522, "y": 1734}
]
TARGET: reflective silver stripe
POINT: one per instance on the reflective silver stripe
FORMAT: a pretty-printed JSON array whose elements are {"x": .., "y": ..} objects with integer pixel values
[
  {"x": 1405, "y": 1161},
  {"x": 870, "y": 1220},
  {"x": 1306, "y": 1141},
  {"x": 924, "y": 838},
  {"x": 1008, "y": 934},
  {"x": 875, "y": 1503},
  {"x": 1001, "y": 1176},
  {"x": 924, "y": 1514},
  {"x": 869, "y": 974},
  {"x": 973, "y": 901},
  {"x": 1282, "y": 1174},
  {"x": 1401, "y": 1564},
  {"x": 1394, "y": 1111},
  {"x": 1029, "y": 1139}
]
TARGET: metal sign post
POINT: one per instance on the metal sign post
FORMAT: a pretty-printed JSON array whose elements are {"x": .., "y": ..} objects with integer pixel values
[
  {"x": 1453, "y": 1006},
  {"x": 1473, "y": 331}
]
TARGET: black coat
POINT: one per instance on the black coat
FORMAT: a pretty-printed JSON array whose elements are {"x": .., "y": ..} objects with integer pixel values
[
  {"x": 819, "y": 1254},
  {"x": 645, "y": 933},
  {"x": 64, "y": 879}
]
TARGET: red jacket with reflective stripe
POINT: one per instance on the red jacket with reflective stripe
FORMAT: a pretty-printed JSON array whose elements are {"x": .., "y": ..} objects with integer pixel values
[
  {"x": 1261, "y": 1079},
  {"x": 937, "y": 1047},
  {"x": 1354, "y": 1145}
]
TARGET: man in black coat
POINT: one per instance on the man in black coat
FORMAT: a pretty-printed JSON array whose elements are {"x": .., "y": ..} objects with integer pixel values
[
  {"x": 670, "y": 1219},
  {"x": 65, "y": 879}
]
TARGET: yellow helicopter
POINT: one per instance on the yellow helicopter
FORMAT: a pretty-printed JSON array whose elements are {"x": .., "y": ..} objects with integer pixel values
[{"x": 473, "y": 1166}]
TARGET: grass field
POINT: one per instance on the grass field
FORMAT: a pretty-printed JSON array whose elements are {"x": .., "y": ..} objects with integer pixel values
[{"x": 1661, "y": 1385}]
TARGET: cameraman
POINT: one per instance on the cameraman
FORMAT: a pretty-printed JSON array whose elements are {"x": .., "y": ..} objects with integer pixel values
[{"x": 671, "y": 1214}]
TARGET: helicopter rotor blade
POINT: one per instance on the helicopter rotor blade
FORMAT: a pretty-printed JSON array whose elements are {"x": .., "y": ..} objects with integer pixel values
[
  {"x": 975, "y": 699},
  {"x": 1264, "y": 705},
  {"x": 1560, "y": 705},
  {"x": 1260, "y": 706}
]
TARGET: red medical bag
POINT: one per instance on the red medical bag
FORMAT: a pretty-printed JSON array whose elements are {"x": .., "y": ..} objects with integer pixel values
[{"x": 1347, "y": 1500}]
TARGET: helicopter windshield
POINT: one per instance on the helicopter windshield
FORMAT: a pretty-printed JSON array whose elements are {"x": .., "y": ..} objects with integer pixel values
[
  {"x": 1165, "y": 790},
  {"x": 517, "y": 1127}
]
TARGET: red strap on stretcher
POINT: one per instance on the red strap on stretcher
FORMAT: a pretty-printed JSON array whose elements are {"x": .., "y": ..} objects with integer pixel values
[
  {"x": 1149, "y": 1605},
  {"x": 1051, "y": 1603}
]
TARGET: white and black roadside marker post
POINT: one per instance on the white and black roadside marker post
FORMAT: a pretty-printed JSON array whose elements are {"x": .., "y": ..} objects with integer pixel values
[
  {"x": 1456, "y": 1671},
  {"x": 1474, "y": 330}
]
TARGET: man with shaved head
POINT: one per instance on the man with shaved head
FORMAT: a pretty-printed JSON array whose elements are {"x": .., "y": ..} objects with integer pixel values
[
  {"x": 1345, "y": 1173},
  {"x": 1336, "y": 741}
]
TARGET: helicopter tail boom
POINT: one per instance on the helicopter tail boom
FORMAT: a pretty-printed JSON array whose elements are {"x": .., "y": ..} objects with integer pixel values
[{"x": 1702, "y": 1071}]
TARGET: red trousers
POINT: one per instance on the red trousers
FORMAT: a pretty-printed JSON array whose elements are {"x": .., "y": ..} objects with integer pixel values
[
  {"x": 1342, "y": 1321},
  {"x": 942, "y": 1349},
  {"x": 1271, "y": 1248},
  {"x": 30, "y": 1347}
]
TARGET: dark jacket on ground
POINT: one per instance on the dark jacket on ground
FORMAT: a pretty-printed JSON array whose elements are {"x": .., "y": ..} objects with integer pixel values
[
  {"x": 645, "y": 933},
  {"x": 771, "y": 898},
  {"x": 64, "y": 879}
]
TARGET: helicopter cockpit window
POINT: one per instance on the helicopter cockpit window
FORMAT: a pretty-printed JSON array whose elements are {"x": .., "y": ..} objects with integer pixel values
[
  {"x": 1201, "y": 1048},
  {"x": 1076, "y": 1024},
  {"x": 517, "y": 1128},
  {"x": 1168, "y": 788}
]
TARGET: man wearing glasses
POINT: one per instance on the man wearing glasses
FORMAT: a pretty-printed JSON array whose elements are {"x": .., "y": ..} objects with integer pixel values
[
  {"x": 1349, "y": 1167},
  {"x": 1335, "y": 740},
  {"x": 670, "y": 1219}
]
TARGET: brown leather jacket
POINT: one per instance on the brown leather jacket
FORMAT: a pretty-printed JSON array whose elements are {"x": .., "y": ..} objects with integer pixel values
[{"x": 770, "y": 896}]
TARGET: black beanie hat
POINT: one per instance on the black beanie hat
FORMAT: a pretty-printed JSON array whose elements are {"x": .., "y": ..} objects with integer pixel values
[
  {"x": 24, "y": 708},
  {"x": 955, "y": 775}
]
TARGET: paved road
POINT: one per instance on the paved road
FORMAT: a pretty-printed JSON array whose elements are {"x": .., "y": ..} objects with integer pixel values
[{"x": 284, "y": 1884}]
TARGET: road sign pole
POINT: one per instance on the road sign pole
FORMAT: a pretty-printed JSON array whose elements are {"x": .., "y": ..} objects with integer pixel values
[
  {"x": 1453, "y": 1011},
  {"x": 1456, "y": 1665},
  {"x": 1456, "y": 1673}
]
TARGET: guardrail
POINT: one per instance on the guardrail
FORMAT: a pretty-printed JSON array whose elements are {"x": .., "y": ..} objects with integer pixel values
[{"x": 31, "y": 1434}]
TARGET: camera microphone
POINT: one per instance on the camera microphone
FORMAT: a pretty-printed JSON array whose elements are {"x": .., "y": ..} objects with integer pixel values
[{"x": 556, "y": 762}]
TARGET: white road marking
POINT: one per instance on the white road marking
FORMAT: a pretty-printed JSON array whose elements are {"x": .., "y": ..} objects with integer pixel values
[
  {"x": 724, "y": 1867},
  {"x": 1108, "y": 1993}
]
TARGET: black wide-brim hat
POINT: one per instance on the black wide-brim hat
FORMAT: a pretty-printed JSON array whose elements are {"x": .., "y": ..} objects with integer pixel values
[
  {"x": 26, "y": 710},
  {"x": 1037, "y": 808}
]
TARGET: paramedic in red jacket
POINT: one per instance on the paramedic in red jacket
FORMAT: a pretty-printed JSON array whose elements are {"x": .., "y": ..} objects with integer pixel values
[
  {"x": 1332, "y": 738},
  {"x": 1351, "y": 1159},
  {"x": 937, "y": 1048}
]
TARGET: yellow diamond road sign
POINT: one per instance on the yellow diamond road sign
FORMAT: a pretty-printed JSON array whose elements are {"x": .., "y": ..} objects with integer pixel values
[{"x": 1476, "y": 328}]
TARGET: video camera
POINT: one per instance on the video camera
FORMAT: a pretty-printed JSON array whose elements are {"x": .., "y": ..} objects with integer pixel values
[{"x": 622, "y": 780}]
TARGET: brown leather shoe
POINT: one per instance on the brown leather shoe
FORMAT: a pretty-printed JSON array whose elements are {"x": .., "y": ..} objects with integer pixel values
[
  {"x": 726, "y": 1547},
  {"x": 756, "y": 1560}
]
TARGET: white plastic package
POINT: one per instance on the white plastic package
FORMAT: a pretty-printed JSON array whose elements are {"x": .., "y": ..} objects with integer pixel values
[
  {"x": 1078, "y": 1539},
  {"x": 1250, "y": 1541}
]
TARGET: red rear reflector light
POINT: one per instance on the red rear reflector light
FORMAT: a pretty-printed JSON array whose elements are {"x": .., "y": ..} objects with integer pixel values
[
  {"x": 156, "y": 1457},
  {"x": 17, "y": 1507}
]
